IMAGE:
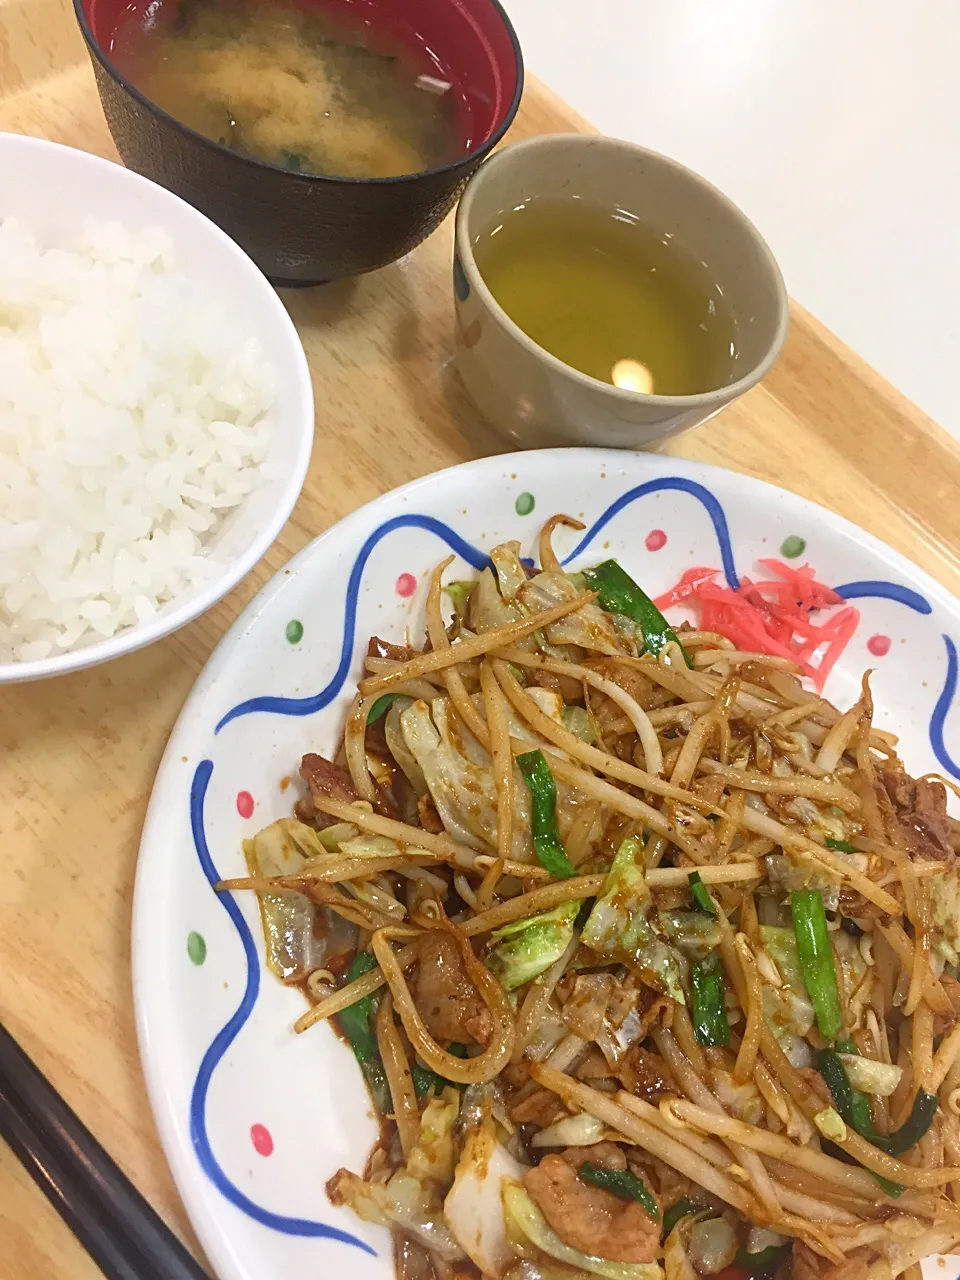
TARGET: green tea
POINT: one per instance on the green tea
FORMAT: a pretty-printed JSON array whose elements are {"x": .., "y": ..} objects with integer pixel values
[
  {"x": 291, "y": 86},
  {"x": 610, "y": 296}
]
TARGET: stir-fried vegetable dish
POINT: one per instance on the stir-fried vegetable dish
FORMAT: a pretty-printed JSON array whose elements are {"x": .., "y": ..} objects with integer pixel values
[{"x": 648, "y": 954}]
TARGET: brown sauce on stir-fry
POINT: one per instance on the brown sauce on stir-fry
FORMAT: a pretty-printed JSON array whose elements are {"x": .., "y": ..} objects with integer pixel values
[{"x": 649, "y": 955}]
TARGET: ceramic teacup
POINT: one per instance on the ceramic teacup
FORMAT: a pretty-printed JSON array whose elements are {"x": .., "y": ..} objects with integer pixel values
[{"x": 528, "y": 394}]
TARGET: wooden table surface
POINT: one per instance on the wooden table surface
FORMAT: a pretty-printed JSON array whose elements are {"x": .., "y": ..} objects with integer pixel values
[{"x": 78, "y": 754}]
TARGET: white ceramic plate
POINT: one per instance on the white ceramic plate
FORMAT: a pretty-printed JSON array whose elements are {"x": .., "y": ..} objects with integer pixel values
[{"x": 253, "y": 1118}]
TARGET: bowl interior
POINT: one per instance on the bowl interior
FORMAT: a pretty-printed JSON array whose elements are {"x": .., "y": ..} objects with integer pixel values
[
  {"x": 33, "y": 176},
  {"x": 468, "y": 43},
  {"x": 663, "y": 195}
]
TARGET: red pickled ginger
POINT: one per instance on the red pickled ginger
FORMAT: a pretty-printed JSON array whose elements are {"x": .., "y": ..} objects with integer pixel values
[{"x": 777, "y": 615}]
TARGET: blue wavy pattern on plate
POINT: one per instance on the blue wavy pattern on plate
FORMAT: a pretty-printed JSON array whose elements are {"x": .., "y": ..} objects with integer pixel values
[
  {"x": 680, "y": 485},
  {"x": 317, "y": 701},
  {"x": 938, "y": 720},
  {"x": 225, "y": 1038},
  {"x": 885, "y": 591},
  {"x": 306, "y": 706}
]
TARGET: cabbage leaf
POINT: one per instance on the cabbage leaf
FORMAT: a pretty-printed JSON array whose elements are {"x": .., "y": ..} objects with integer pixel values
[
  {"x": 459, "y": 774},
  {"x": 527, "y": 948},
  {"x": 619, "y": 927},
  {"x": 298, "y": 934}
]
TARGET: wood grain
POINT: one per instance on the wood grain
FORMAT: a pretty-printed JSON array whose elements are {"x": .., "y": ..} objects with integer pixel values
[{"x": 78, "y": 754}]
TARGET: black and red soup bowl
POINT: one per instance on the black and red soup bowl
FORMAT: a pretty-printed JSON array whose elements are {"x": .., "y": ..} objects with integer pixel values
[{"x": 303, "y": 228}]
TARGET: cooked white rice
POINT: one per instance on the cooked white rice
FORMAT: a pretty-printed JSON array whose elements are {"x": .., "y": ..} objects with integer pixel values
[{"x": 132, "y": 419}]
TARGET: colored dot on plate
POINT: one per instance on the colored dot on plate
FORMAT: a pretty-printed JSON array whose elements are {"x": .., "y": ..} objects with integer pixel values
[
  {"x": 656, "y": 540},
  {"x": 524, "y": 504},
  {"x": 245, "y": 804},
  {"x": 294, "y": 631},
  {"x": 793, "y": 546},
  {"x": 261, "y": 1139},
  {"x": 406, "y": 585},
  {"x": 879, "y": 646},
  {"x": 196, "y": 947}
]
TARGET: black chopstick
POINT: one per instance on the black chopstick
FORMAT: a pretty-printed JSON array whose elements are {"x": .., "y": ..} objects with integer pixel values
[
  {"x": 94, "y": 1233},
  {"x": 124, "y": 1235}
]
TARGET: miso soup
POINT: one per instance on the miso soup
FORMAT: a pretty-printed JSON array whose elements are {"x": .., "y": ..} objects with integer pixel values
[
  {"x": 610, "y": 296},
  {"x": 289, "y": 85}
]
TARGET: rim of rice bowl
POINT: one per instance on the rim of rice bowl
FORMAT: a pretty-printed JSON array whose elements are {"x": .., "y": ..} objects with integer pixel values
[{"x": 34, "y": 176}]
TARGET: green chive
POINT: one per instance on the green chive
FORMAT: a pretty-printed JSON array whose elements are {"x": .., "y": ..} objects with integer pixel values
[
  {"x": 843, "y": 846},
  {"x": 700, "y": 894},
  {"x": 543, "y": 816},
  {"x": 622, "y": 1183},
  {"x": 816, "y": 960}
]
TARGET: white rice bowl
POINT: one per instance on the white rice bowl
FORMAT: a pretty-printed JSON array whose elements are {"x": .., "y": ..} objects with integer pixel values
[{"x": 155, "y": 412}]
